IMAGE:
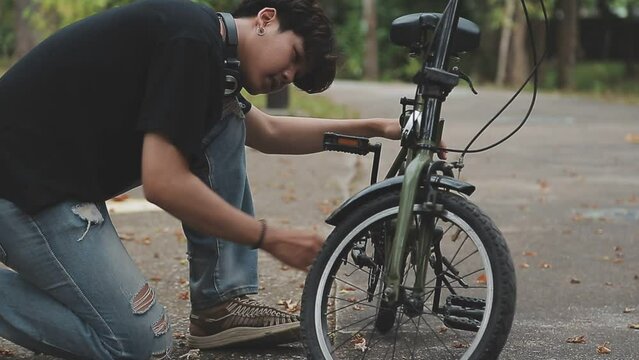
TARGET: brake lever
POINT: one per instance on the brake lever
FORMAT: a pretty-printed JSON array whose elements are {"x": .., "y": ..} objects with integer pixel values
[{"x": 466, "y": 78}]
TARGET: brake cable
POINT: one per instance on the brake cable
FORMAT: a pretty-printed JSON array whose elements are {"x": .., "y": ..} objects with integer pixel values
[{"x": 533, "y": 75}]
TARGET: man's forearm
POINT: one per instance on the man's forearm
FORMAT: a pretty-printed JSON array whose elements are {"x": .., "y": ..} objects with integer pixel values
[{"x": 297, "y": 135}]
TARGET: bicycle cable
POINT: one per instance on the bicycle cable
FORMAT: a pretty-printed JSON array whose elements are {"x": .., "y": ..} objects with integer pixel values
[{"x": 533, "y": 75}]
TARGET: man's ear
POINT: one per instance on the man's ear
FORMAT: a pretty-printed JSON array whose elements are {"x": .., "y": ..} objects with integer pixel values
[{"x": 266, "y": 16}]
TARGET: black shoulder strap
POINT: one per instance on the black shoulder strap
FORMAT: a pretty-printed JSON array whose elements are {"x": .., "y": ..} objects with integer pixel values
[{"x": 233, "y": 83}]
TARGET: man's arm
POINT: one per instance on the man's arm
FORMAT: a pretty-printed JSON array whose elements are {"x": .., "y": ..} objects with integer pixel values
[
  {"x": 169, "y": 183},
  {"x": 301, "y": 135}
]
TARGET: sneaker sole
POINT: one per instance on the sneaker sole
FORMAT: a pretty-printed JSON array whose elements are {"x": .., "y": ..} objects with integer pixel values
[{"x": 272, "y": 335}]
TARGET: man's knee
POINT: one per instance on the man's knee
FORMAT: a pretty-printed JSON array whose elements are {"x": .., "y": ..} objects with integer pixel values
[{"x": 149, "y": 332}]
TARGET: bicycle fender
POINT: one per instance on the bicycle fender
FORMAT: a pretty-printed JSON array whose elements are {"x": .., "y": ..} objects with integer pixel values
[{"x": 373, "y": 191}]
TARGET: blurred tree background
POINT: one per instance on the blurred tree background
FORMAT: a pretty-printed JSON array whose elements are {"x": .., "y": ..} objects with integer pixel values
[{"x": 591, "y": 43}]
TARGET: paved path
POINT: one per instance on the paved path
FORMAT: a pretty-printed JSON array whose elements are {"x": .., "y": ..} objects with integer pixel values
[{"x": 565, "y": 188}]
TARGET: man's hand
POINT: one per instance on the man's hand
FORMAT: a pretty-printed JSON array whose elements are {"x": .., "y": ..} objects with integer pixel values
[{"x": 294, "y": 248}]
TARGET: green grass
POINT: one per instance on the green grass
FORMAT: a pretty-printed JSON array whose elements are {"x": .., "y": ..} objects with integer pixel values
[
  {"x": 303, "y": 104},
  {"x": 4, "y": 64},
  {"x": 606, "y": 80}
]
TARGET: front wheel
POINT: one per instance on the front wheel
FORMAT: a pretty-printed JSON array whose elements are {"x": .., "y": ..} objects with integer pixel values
[{"x": 466, "y": 308}]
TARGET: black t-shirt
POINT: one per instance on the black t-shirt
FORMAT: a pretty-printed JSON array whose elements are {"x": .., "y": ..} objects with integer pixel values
[{"x": 73, "y": 112}]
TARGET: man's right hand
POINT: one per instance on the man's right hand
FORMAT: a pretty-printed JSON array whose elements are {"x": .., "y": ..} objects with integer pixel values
[{"x": 292, "y": 247}]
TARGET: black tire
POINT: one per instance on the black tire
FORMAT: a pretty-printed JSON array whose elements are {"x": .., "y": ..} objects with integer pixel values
[{"x": 487, "y": 343}]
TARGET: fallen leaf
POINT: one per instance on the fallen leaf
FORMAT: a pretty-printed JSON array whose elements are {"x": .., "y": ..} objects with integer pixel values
[
  {"x": 603, "y": 348},
  {"x": 183, "y": 281},
  {"x": 442, "y": 329},
  {"x": 179, "y": 335},
  {"x": 608, "y": 283},
  {"x": 632, "y": 138},
  {"x": 284, "y": 267},
  {"x": 127, "y": 236},
  {"x": 481, "y": 279},
  {"x": 617, "y": 261},
  {"x": 634, "y": 326},
  {"x": 351, "y": 299},
  {"x": 281, "y": 302},
  {"x": 459, "y": 345},
  {"x": 543, "y": 184},
  {"x": 617, "y": 248},
  {"x": 581, "y": 339},
  {"x": 577, "y": 217},
  {"x": 358, "y": 308},
  {"x": 529, "y": 253},
  {"x": 7, "y": 353},
  {"x": 628, "y": 310},
  {"x": 524, "y": 266},
  {"x": 184, "y": 295},
  {"x": 291, "y": 306},
  {"x": 359, "y": 342},
  {"x": 155, "y": 278},
  {"x": 122, "y": 197},
  {"x": 146, "y": 241},
  {"x": 346, "y": 290},
  {"x": 193, "y": 354},
  {"x": 545, "y": 266},
  {"x": 575, "y": 281},
  {"x": 184, "y": 262}
]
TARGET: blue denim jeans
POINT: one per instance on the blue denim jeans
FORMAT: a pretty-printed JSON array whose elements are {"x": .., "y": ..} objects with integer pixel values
[
  {"x": 75, "y": 292},
  {"x": 220, "y": 269}
]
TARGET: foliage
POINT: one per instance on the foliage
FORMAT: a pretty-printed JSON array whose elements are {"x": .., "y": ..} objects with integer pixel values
[{"x": 303, "y": 104}]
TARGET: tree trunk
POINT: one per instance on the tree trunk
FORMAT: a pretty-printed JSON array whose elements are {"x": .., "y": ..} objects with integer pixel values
[
  {"x": 518, "y": 67},
  {"x": 631, "y": 49},
  {"x": 568, "y": 36},
  {"x": 25, "y": 36},
  {"x": 504, "y": 42},
  {"x": 371, "y": 64}
]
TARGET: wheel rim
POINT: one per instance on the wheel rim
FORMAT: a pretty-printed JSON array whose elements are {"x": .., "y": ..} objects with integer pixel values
[{"x": 321, "y": 323}]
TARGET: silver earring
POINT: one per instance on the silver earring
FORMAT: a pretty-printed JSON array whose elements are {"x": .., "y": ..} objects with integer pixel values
[{"x": 260, "y": 31}]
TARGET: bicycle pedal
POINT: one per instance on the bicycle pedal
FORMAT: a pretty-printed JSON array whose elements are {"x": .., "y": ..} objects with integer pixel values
[
  {"x": 466, "y": 302},
  {"x": 459, "y": 323},
  {"x": 458, "y": 311}
]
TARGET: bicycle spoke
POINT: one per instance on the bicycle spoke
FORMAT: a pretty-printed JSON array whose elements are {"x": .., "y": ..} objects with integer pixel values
[
  {"x": 459, "y": 248},
  {"x": 464, "y": 259},
  {"x": 360, "y": 302},
  {"x": 352, "y": 336}
]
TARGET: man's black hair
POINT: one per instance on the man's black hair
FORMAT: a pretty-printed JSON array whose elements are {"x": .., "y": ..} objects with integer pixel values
[{"x": 306, "y": 19}]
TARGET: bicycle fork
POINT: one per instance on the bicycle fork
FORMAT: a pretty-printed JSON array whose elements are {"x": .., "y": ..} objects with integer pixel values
[{"x": 394, "y": 261}]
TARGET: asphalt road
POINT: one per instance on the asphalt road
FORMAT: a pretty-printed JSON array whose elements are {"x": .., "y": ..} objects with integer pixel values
[{"x": 564, "y": 191}]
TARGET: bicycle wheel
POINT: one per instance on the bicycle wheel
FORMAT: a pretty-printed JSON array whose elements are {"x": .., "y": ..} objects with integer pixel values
[{"x": 465, "y": 313}]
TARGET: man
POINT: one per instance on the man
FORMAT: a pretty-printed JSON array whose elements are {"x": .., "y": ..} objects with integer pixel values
[{"x": 136, "y": 95}]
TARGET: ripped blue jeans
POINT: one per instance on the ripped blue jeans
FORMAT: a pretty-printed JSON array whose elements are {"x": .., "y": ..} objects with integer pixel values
[{"x": 75, "y": 292}]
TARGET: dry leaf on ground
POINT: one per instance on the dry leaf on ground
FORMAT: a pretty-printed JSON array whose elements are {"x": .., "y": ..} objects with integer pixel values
[
  {"x": 481, "y": 279},
  {"x": 575, "y": 281},
  {"x": 634, "y": 326},
  {"x": 359, "y": 342},
  {"x": 580, "y": 339},
  {"x": 524, "y": 266},
  {"x": 122, "y": 197},
  {"x": 603, "y": 348},
  {"x": 628, "y": 310},
  {"x": 632, "y": 138},
  {"x": 529, "y": 253}
]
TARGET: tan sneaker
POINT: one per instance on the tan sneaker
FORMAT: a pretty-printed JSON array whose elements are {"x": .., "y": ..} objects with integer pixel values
[{"x": 240, "y": 321}]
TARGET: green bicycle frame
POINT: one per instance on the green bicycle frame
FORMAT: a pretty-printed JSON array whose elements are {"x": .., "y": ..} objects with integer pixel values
[{"x": 419, "y": 160}]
